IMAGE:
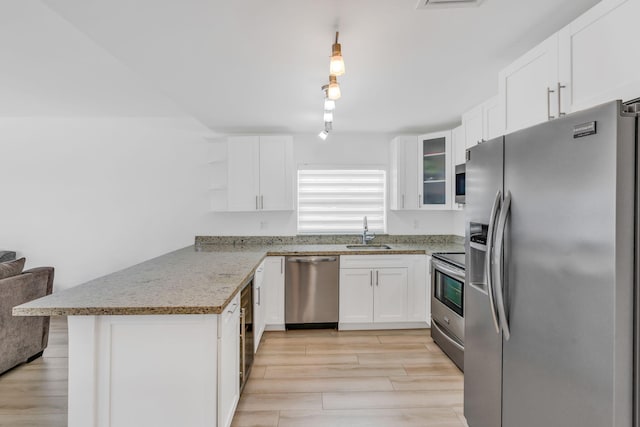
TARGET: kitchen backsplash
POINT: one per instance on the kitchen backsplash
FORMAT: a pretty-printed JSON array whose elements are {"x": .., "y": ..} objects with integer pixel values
[{"x": 338, "y": 239}]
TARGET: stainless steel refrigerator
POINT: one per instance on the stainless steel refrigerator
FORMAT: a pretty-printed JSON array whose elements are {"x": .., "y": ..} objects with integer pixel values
[{"x": 550, "y": 295}]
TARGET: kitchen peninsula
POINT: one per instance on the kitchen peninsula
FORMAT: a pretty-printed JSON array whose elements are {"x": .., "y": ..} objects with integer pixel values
[{"x": 147, "y": 345}]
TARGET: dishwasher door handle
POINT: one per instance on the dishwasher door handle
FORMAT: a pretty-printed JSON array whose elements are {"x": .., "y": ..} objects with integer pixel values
[{"x": 312, "y": 260}]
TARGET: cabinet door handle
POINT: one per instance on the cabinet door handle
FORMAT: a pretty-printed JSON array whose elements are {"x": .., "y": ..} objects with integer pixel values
[
  {"x": 371, "y": 278},
  {"x": 243, "y": 341},
  {"x": 549, "y": 92},
  {"x": 261, "y": 202},
  {"x": 233, "y": 308},
  {"x": 256, "y": 202},
  {"x": 259, "y": 295},
  {"x": 560, "y": 113},
  {"x": 403, "y": 201},
  {"x": 377, "y": 278},
  {"x": 419, "y": 199},
  {"x": 281, "y": 265}
]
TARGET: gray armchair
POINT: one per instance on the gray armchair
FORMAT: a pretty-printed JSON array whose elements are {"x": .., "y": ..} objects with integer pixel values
[{"x": 23, "y": 339}]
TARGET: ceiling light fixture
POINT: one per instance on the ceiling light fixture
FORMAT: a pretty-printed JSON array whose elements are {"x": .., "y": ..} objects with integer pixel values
[
  {"x": 333, "y": 89},
  {"x": 329, "y": 104},
  {"x": 325, "y": 133},
  {"x": 336, "y": 66}
]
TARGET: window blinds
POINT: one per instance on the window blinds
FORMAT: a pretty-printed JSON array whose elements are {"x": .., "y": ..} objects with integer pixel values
[{"x": 335, "y": 201}]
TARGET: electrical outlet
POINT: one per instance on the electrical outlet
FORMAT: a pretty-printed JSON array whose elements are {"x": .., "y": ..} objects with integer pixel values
[
  {"x": 416, "y": 224},
  {"x": 264, "y": 225}
]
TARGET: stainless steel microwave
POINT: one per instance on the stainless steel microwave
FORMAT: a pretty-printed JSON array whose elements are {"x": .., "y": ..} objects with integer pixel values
[{"x": 460, "y": 183}]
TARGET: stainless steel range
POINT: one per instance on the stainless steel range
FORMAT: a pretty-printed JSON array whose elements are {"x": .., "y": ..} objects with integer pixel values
[{"x": 447, "y": 304}]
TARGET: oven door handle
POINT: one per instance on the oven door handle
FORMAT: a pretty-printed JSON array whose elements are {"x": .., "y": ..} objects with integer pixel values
[
  {"x": 502, "y": 224},
  {"x": 440, "y": 266},
  {"x": 446, "y": 335},
  {"x": 488, "y": 267}
]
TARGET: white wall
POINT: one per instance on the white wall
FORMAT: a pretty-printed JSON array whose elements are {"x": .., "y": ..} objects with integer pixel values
[
  {"x": 339, "y": 149},
  {"x": 92, "y": 196}
]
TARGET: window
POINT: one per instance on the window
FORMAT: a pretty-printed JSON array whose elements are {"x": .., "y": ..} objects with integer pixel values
[{"x": 336, "y": 201}]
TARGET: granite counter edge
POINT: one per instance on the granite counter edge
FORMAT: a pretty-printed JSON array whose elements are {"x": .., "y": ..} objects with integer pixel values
[{"x": 168, "y": 310}]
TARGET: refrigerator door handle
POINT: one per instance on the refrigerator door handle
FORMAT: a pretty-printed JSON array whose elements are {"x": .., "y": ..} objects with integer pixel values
[
  {"x": 488, "y": 268},
  {"x": 502, "y": 224}
]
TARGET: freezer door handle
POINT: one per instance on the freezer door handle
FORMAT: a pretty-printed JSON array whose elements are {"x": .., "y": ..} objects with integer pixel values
[
  {"x": 488, "y": 267},
  {"x": 502, "y": 224}
]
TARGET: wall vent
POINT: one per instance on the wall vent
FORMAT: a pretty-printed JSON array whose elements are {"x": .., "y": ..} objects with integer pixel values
[{"x": 428, "y": 4}]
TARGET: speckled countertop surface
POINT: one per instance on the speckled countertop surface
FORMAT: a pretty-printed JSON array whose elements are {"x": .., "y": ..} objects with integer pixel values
[{"x": 194, "y": 280}]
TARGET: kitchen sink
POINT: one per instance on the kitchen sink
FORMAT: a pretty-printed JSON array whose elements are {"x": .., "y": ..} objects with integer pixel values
[{"x": 371, "y": 247}]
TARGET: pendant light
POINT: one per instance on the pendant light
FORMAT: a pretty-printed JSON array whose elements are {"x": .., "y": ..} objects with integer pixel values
[
  {"x": 329, "y": 104},
  {"x": 333, "y": 89},
  {"x": 336, "y": 66}
]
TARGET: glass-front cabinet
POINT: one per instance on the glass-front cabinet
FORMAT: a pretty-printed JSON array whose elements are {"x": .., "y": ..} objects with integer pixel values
[{"x": 434, "y": 170}]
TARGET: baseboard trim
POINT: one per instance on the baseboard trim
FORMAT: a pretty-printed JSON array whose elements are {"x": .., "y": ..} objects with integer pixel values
[{"x": 374, "y": 326}]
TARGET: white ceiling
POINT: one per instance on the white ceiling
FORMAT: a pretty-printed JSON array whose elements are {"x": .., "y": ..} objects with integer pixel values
[{"x": 253, "y": 66}]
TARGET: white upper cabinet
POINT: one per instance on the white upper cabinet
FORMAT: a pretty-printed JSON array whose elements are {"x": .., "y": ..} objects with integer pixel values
[
  {"x": 492, "y": 118},
  {"x": 459, "y": 146},
  {"x": 276, "y": 173},
  {"x": 434, "y": 168},
  {"x": 458, "y": 149},
  {"x": 594, "y": 59},
  {"x": 472, "y": 121},
  {"x": 528, "y": 88},
  {"x": 600, "y": 56},
  {"x": 483, "y": 122},
  {"x": 404, "y": 173},
  {"x": 259, "y": 173},
  {"x": 243, "y": 168},
  {"x": 421, "y": 172}
]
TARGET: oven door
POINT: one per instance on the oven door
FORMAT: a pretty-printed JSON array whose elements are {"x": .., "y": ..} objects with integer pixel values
[{"x": 447, "y": 300}]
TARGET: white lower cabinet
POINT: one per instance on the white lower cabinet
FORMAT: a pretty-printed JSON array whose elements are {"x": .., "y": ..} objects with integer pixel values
[
  {"x": 273, "y": 290},
  {"x": 419, "y": 297},
  {"x": 259, "y": 314},
  {"x": 390, "y": 295},
  {"x": 381, "y": 290},
  {"x": 228, "y": 362},
  {"x": 356, "y": 295},
  {"x": 154, "y": 370}
]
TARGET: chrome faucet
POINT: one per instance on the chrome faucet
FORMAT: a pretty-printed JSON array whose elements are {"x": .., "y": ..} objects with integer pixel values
[{"x": 366, "y": 236}]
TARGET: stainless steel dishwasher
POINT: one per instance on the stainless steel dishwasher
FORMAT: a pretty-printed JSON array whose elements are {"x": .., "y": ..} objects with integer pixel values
[{"x": 311, "y": 291}]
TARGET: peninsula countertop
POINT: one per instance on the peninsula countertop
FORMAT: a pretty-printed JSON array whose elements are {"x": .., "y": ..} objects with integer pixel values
[{"x": 199, "y": 279}]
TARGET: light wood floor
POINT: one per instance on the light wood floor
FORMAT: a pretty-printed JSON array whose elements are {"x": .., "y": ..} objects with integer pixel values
[{"x": 300, "y": 378}]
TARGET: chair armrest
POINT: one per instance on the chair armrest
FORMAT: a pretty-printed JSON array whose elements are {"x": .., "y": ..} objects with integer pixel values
[{"x": 42, "y": 270}]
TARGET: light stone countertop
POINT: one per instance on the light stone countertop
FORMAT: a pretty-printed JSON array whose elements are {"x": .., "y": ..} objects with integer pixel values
[{"x": 193, "y": 280}]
